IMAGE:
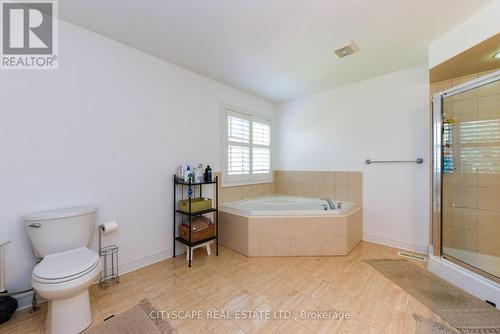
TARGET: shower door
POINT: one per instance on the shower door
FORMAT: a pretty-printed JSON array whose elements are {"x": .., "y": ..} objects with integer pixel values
[{"x": 466, "y": 176}]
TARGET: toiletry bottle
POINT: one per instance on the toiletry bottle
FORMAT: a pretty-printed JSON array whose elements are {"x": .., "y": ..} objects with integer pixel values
[
  {"x": 198, "y": 174},
  {"x": 179, "y": 173},
  {"x": 185, "y": 169},
  {"x": 188, "y": 176},
  {"x": 208, "y": 174}
]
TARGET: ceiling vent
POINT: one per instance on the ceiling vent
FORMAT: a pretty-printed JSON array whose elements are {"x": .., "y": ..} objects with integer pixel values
[{"x": 347, "y": 50}]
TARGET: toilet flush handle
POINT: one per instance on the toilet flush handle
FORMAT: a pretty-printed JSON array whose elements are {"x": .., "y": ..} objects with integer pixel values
[{"x": 35, "y": 225}]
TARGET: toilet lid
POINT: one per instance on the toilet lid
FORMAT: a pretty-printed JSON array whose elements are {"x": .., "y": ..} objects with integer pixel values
[{"x": 66, "y": 264}]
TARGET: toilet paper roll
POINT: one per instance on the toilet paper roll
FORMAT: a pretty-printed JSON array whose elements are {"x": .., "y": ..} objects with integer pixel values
[{"x": 109, "y": 227}]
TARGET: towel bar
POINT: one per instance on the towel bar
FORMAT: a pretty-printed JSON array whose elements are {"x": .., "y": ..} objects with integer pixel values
[{"x": 369, "y": 161}]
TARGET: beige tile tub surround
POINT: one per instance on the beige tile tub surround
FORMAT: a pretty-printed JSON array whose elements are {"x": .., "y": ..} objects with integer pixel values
[
  {"x": 291, "y": 236},
  {"x": 471, "y": 203},
  {"x": 238, "y": 193},
  {"x": 340, "y": 186}
]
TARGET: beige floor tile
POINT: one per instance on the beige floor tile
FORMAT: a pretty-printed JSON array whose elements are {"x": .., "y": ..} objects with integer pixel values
[
  {"x": 253, "y": 319},
  {"x": 235, "y": 283},
  {"x": 292, "y": 327},
  {"x": 381, "y": 315},
  {"x": 125, "y": 280},
  {"x": 306, "y": 312},
  {"x": 201, "y": 325},
  {"x": 25, "y": 319},
  {"x": 148, "y": 276},
  {"x": 353, "y": 326},
  {"x": 119, "y": 300},
  {"x": 226, "y": 327}
]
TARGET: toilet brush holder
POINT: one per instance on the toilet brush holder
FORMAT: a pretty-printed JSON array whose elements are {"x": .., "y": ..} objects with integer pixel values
[
  {"x": 109, "y": 259},
  {"x": 109, "y": 274}
]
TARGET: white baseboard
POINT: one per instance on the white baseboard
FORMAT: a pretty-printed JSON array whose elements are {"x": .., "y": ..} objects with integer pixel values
[
  {"x": 24, "y": 300},
  {"x": 139, "y": 263},
  {"x": 395, "y": 243}
]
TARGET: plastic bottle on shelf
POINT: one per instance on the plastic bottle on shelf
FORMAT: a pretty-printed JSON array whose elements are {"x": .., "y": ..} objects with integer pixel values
[
  {"x": 208, "y": 174},
  {"x": 188, "y": 175},
  {"x": 198, "y": 174}
]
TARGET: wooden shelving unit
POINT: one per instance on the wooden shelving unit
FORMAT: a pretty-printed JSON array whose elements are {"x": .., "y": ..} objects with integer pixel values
[{"x": 188, "y": 215}]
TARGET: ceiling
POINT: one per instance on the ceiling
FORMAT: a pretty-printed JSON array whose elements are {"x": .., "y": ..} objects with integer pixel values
[
  {"x": 276, "y": 49},
  {"x": 477, "y": 59}
]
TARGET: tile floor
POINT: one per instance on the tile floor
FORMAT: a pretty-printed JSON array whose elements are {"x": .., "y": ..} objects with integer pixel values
[{"x": 233, "y": 282}]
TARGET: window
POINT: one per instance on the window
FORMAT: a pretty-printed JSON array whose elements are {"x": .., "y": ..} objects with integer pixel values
[{"x": 247, "y": 148}]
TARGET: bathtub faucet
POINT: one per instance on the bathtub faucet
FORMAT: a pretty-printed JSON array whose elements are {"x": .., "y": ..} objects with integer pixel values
[{"x": 329, "y": 201}]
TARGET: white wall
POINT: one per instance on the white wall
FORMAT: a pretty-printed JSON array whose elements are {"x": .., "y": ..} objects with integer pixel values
[
  {"x": 382, "y": 118},
  {"x": 479, "y": 27},
  {"x": 107, "y": 128}
]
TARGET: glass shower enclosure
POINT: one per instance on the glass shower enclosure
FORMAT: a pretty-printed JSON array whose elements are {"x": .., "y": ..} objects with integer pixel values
[{"x": 466, "y": 175}]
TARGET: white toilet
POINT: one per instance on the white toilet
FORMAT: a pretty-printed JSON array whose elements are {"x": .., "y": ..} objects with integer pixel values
[{"x": 68, "y": 267}]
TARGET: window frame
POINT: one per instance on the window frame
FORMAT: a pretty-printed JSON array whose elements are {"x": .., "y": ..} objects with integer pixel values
[{"x": 249, "y": 179}]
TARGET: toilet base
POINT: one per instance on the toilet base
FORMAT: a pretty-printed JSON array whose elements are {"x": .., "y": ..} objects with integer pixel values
[{"x": 69, "y": 316}]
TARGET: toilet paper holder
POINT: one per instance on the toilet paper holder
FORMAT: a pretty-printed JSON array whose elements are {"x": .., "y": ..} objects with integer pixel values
[{"x": 109, "y": 259}]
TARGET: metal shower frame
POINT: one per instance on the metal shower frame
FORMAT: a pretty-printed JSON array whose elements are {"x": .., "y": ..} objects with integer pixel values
[{"x": 437, "y": 155}]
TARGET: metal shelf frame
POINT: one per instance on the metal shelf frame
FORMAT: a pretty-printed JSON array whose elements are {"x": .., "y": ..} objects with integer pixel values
[{"x": 192, "y": 186}]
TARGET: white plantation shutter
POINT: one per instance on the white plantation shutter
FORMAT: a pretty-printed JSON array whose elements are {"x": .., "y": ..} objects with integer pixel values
[
  {"x": 261, "y": 150},
  {"x": 238, "y": 160},
  {"x": 261, "y": 134},
  {"x": 238, "y": 128},
  {"x": 248, "y": 148},
  {"x": 261, "y": 163},
  {"x": 238, "y": 148}
]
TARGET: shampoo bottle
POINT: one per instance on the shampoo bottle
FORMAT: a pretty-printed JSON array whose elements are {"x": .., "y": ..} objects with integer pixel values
[
  {"x": 198, "y": 173},
  {"x": 188, "y": 175},
  {"x": 208, "y": 174}
]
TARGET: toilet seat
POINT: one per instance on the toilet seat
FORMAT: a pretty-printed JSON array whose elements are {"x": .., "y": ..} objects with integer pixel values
[
  {"x": 66, "y": 266},
  {"x": 64, "y": 279}
]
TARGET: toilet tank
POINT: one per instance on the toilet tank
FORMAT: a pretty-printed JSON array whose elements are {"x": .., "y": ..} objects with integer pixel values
[{"x": 60, "y": 230}]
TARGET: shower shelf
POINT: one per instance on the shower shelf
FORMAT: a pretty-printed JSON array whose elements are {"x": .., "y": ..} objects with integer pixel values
[{"x": 192, "y": 186}]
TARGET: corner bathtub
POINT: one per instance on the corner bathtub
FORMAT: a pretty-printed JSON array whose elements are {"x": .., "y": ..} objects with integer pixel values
[
  {"x": 289, "y": 226},
  {"x": 285, "y": 205}
]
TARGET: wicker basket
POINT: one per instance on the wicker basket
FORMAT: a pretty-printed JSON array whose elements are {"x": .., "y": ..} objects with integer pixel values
[
  {"x": 197, "y": 204},
  {"x": 202, "y": 228}
]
